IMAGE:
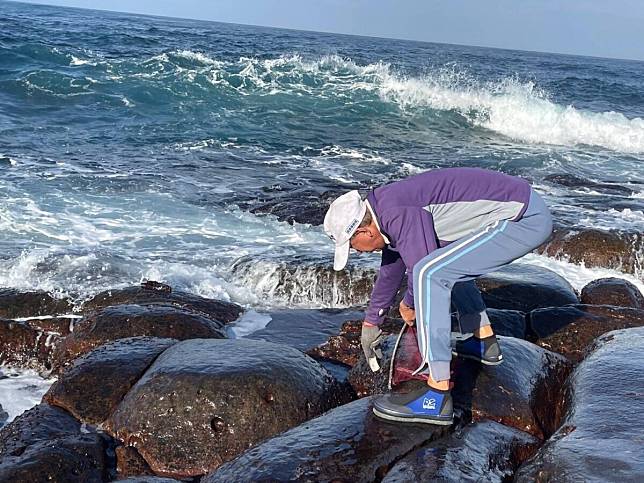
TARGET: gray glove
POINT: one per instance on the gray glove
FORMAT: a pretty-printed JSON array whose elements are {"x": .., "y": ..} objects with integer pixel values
[{"x": 370, "y": 340}]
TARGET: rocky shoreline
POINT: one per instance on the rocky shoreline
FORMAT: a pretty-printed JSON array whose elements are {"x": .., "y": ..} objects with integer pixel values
[{"x": 151, "y": 388}]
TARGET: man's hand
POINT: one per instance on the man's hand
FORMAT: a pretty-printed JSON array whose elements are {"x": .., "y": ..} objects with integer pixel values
[
  {"x": 370, "y": 340},
  {"x": 407, "y": 313}
]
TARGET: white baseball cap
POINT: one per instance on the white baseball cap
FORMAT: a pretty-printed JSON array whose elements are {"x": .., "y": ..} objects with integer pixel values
[{"x": 341, "y": 221}]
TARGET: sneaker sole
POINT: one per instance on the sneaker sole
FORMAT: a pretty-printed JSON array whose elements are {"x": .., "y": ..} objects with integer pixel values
[
  {"x": 478, "y": 359},
  {"x": 438, "y": 422}
]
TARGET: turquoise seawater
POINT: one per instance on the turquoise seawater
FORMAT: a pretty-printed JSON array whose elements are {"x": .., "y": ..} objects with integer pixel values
[{"x": 127, "y": 142}]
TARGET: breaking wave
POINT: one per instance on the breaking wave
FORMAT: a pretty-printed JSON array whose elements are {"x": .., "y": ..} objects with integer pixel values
[{"x": 519, "y": 110}]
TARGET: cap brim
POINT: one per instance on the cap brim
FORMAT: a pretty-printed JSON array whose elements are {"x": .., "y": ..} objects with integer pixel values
[{"x": 341, "y": 256}]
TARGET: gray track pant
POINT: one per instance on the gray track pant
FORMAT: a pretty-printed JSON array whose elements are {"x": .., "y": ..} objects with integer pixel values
[{"x": 465, "y": 259}]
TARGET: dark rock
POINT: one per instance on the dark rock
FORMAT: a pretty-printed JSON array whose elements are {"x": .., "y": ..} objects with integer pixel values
[
  {"x": 47, "y": 444},
  {"x": 364, "y": 381},
  {"x": 345, "y": 347},
  {"x": 595, "y": 248},
  {"x": 573, "y": 181},
  {"x": 523, "y": 392},
  {"x": 612, "y": 291},
  {"x": 525, "y": 287},
  {"x": 223, "y": 312},
  {"x": 484, "y": 451},
  {"x": 130, "y": 463},
  {"x": 123, "y": 321},
  {"x": 570, "y": 330},
  {"x": 601, "y": 437},
  {"x": 511, "y": 323},
  {"x": 205, "y": 401},
  {"x": 15, "y": 304},
  {"x": 346, "y": 444},
  {"x": 24, "y": 344},
  {"x": 95, "y": 384}
]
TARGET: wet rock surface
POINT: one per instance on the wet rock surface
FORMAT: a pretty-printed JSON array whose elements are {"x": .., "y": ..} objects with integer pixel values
[
  {"x": 47, "y": 444},
  {"x": 3, "y": 415},
  {"x": 571, "y": 330},
  {"x": 15, "y": 304},
  {"x": 612, "y": 291},
  {"x": 601, "y": 437},
  {"x": 596, "y": 248},
  {"x": 95, "y": 383},
  {"x": 364, "y": 381},
  {"x": 511, "y": 323},
  {"x": 525, "y": 287},
  {"x": 123, "y": 321},
  {"x": 483, "y": 451},
  {"x": 345, "y": 347},
  {"x": 523, "y": 392},
  {"x": 204, "y": 401},
  {"x": 25, "y": 344},
  {"x": 221, "y": 311},
  {"x": 346, "y": 444}
]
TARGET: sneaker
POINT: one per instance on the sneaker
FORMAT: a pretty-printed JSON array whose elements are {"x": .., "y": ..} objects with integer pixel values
[
  {"x": 486, "y": 350},
  {"x": 424, "y": 405}
]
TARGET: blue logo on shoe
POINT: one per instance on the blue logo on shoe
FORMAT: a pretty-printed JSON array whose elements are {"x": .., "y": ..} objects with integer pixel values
[{"x": 429, "y": 403}]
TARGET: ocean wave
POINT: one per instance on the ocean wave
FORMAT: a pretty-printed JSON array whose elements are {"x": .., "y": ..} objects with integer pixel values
[{"x": 517, "y": 109}]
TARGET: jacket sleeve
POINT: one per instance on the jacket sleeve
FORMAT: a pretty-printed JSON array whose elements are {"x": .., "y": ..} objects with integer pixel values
[
  {"x": 413, "y": 230},
  {"x": 390, "y": 276}
]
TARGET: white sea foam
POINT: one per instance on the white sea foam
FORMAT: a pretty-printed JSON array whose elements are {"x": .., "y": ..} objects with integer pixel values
[
  {"x": 578, "y": 274},
  {"x": 21, "y": 390},
  {"x": 250, "y": 321},
  {"x": 77, "y": 61},
  {"x": 519, "y": 110}
]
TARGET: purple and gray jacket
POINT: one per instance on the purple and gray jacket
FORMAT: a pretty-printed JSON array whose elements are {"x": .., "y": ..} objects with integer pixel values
[{"x": 424, "y": 212}]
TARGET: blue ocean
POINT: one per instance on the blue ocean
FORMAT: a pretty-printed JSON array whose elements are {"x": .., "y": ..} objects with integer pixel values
[{"x": 130, "y": 145}]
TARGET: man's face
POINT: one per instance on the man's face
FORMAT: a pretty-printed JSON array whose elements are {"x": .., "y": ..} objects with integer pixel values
[{"x": 367, "y": 239}]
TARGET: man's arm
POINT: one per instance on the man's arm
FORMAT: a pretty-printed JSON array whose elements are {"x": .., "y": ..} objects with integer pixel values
[
  {"x": 413, "y": 230},
  {"x": 390, "y": 276}
]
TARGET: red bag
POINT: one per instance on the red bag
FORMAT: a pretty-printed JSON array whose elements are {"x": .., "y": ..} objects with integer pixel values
[{"x": 406, "y": 358}]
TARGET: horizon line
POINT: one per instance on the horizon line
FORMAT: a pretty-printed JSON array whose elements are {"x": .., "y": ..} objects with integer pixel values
[{"x": 327, "y": 32}]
